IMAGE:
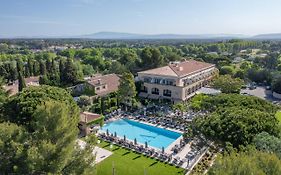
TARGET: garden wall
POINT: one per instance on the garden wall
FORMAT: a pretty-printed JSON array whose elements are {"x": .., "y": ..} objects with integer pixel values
[{"x": 276, "y": 95}]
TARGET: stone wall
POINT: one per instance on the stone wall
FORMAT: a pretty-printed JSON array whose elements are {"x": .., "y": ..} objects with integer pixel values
[{"x": 276, "y": 95}]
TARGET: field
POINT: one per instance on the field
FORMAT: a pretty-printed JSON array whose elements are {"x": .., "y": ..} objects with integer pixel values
[{"x": 126, "y": 162}]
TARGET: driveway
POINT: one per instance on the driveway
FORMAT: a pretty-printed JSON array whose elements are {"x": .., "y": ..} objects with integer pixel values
[{"x": 260, "y": 92}]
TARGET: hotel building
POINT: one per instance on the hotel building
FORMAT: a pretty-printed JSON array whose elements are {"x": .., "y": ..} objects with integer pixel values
[{"x": 177, "y": 81}]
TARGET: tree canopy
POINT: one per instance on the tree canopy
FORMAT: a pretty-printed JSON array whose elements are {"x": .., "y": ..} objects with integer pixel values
[
  {"x": 46, "y": 144},
  {"x": 127, "y": 89},
  {"x": 237, "y": 125},
  {"x": 276, "y": 84},
  {"x": 268, "y": 143},
  {"x": 20, "y": 108},
  {"x": 245, "y": 163},
  {"x": 236, "y": 118},
  {"x": 227, "y": 84}
]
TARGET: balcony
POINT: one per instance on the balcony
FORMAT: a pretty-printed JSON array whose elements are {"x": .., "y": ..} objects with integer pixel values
[{"x": 160, "y": 81}]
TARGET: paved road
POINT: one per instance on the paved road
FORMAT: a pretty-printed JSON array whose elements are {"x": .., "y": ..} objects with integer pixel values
[{"x": 261, "y": 92}]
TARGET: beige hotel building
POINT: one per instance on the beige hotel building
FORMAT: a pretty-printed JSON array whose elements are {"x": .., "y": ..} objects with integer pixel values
[{"x": 177, "y": 81}]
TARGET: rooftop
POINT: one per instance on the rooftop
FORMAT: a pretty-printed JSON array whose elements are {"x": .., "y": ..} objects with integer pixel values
[
  {"x": 111, "y": 80},
  {"x": 87, "y": 117},
  {"x": 13, "y": 88},
  {"x": 180, "y": 69}
]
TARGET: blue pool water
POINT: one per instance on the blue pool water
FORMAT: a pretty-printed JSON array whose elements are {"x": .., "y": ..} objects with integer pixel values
[{"x": 154, "y": 136}]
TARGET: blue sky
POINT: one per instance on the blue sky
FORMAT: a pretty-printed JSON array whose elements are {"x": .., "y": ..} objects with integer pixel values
[{"x": 76, "y": 17}]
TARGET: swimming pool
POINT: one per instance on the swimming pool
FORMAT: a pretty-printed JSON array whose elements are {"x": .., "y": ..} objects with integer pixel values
[{"x": 154, "y": 136}]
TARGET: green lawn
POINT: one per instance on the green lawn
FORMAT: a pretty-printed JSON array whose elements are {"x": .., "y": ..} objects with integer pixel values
[
  {"x": 127, "y": 162},
  {"x": 278, "y": 116}
]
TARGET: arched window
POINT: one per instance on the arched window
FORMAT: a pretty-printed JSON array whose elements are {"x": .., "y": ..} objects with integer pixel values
[
  {"x": 167, "y": 93},
  {"x": 155, "y": 91}
]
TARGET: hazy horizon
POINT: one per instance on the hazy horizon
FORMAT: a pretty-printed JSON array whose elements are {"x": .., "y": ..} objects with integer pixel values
[{"x": 186, "y": 17}]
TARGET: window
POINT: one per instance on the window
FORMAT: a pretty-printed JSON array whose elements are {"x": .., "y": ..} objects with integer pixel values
[
  {"x": 157, "y": 80},
  {"x": 167, "y": 93},
  {"x": 144, "y": 89},
  {"x": 147, "y": 79},
  {"x": 155, "y": 91},
  {"x": 170, "y": 82}
]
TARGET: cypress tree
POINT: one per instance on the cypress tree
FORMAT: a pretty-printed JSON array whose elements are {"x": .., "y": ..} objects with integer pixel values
[
  {"x": 43, "y": 79},
  {"x": 43, "y": 70},
  {"x": 30, "y": 67},
  {"x": 21, "y": 84},
  {"x": 61, "y": 70},
  {"x": 19, "y": 65}
]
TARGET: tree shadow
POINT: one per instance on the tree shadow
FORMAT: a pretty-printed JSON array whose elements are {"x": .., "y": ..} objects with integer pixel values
[
  {"x": 136, "y": 157},
  {"x": 107, "y": 145},
  {"x": 115, "y": 149},
  {"x": 154, "y": 163},
  {"x": 128, "y": 152}
]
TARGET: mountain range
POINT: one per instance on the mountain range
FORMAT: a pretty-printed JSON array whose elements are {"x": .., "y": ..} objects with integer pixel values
[
  {"x": 120, "y": 35},
  {"x": 117, "y": 35}
]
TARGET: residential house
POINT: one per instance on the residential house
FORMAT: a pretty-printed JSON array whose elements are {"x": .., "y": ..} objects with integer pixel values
[
  {"x": 13, "y": 88},
  {"x": 102, "y": 85}
]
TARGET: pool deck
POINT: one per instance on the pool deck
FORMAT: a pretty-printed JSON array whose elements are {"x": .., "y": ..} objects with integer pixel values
[
  {"x": 100, "y": 153},
  {"x": 159, "y": 126},
  {"x": 181, "y": 154}
]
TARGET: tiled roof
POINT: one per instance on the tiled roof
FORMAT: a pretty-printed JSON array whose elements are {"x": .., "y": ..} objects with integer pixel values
[
  {"x": 110, "y": 80},
  {"x": 189, "y": 67},
  {"x": 166, "y": 71},
  {"x": 179, "y": 69},
  {"x": 87, "y": 117}
]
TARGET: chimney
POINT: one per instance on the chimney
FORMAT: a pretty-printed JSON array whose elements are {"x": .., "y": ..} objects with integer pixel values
[
  {"x": 99, "y": 81},
  {"x": 180, "y": 68}
]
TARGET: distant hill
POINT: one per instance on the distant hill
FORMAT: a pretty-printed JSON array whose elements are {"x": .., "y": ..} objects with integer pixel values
[
  {"x": 110, "y": 35},
  {"x": 117, "y": 35},
  {"x": 268, "y": 36},
  {"x": 122, "y": 35}
]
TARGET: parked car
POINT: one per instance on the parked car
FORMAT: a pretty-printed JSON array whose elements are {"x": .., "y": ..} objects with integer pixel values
[{"x": 267, "y": 87}]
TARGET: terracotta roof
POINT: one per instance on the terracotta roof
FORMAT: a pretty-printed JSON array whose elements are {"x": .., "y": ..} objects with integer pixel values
[
  {"x": 179, "y": 69},
  {"x": 87, "y": 117},
  {"x": 110, "y": 80},
  {"x": 189, "y": 67},
  {"x": 166, "y": 71}
]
